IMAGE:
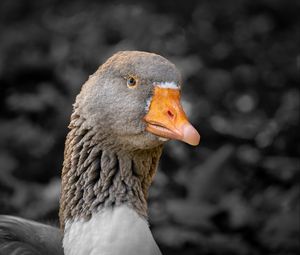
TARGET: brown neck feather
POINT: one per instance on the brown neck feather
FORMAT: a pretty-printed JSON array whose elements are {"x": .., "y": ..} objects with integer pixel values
[{"x": 97, "y": 174}]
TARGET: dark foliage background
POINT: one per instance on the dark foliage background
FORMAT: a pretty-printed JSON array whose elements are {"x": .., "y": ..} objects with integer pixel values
[{"x": 236, "y": 193}]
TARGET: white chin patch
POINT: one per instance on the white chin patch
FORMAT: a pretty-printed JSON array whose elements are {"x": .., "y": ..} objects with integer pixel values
[
  {"x": 162, "y": 139},
  {"x": 167, "y": 85}
]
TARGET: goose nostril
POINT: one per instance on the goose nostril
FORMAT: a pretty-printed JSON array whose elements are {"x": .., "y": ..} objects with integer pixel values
[{"x": 171, "y": 115}]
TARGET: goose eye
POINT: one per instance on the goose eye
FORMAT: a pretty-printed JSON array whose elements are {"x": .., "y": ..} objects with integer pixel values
[{"x": 131, "y": 82}]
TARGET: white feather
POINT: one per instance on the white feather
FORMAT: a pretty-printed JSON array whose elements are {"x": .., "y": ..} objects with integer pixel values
[
  {"x": 167, "y": 85},
  {"x": 163, "y": 139},
  {"x": 113, "y": 231},
  {"x": 148, "y": 102}
]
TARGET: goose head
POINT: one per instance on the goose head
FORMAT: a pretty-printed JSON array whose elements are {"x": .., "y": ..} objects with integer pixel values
[
  {"x": 124, "y": 113},
  {"x": 134, "y": 98}
]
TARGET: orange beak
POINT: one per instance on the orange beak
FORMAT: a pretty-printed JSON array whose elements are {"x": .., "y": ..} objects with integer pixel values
[{"x": 167, "y": 119}]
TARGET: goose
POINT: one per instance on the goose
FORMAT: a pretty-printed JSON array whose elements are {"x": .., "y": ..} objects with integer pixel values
[{"x": 121, "y": 118}]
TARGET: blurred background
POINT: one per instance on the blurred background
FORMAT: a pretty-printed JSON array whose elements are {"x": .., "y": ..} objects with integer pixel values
[{"x": 236, "y": 193}]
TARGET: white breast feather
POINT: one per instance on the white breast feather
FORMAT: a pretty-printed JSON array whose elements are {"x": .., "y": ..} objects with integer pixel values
[{"x": 113, "y": 231}]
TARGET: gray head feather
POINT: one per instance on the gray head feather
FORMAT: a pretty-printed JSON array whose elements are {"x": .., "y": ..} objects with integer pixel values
[{"x": 111, "y": 107}]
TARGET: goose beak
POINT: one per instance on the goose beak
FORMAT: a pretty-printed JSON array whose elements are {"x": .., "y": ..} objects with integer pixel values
[{"x": 167, "y": 119}]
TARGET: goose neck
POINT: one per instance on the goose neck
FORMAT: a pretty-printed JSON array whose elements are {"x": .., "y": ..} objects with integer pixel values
[{"x": 96, "y": 175}]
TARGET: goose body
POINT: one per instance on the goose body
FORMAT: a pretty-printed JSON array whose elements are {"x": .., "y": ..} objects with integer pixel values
[
  {"x": 120, "y": 121},
  {"x": 25, "y": 237}
]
